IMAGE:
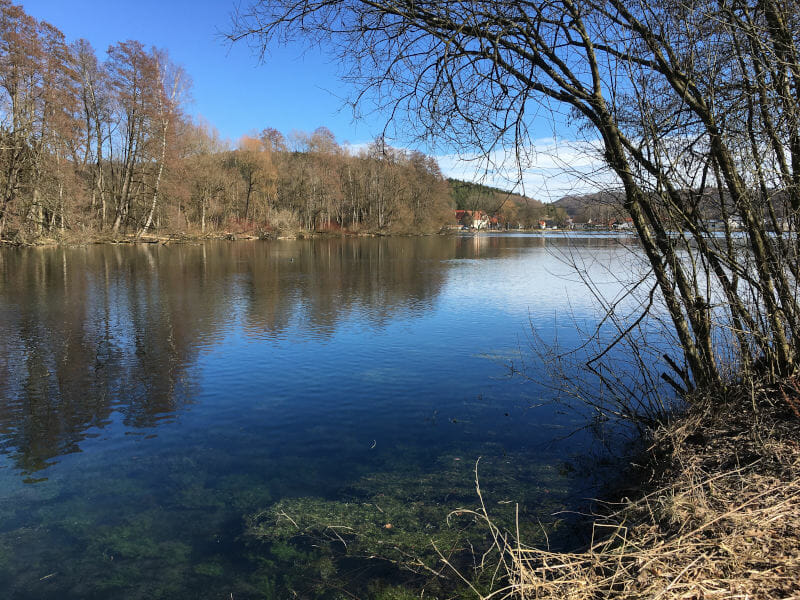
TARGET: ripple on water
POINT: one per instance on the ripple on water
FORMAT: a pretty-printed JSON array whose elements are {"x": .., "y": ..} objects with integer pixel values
[{"x": 160, "y": 408}]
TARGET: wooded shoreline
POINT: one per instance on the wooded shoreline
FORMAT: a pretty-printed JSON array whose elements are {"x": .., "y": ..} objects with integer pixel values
[{"x": 167, "y": 238}]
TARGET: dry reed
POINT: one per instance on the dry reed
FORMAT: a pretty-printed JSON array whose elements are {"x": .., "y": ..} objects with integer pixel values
[{"x": 722, "y": 519}]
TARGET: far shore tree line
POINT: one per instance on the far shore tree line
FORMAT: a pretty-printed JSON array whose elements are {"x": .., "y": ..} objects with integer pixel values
[
  {"x": 510, "y": 209},
  {"x": 101, "y": 144},
  {"x": 694, "y": 105}
]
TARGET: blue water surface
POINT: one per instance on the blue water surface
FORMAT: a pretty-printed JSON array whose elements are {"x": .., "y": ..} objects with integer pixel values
[{"x": 160, "y": 405}]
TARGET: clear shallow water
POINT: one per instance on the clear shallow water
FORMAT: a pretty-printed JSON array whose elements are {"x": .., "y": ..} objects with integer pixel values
[{"x": 188, "y": 421}]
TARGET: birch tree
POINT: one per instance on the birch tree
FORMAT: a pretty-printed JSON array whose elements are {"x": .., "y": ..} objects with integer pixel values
[
  {"x": 133, "y": 74},
  {"x": 169, "y": 94}
]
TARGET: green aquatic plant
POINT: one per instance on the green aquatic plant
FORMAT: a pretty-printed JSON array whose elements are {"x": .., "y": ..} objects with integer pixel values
[
  {"x": 209, "y": 569},
  {"x": 244, "y": 491},
  {"x": 401, "y": 526},
  {"x": 392, "y": 593},
  {"x": 187, "y": 534}
]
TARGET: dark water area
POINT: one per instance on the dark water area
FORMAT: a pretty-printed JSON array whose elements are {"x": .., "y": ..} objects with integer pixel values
[{"x": 252, "y": 419}]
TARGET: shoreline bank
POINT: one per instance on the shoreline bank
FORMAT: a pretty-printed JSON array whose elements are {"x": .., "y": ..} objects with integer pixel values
[
  {"x": 714, "y": 513},
  {"x": 183, "y": 237},
  {"x": 191, "y": 238}
]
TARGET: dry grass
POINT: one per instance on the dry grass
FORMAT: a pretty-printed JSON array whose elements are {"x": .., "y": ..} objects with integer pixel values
[{"x": 722, "y": 521}]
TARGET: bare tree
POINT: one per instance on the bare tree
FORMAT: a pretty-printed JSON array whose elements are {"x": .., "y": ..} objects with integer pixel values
[
  {"x": 21, "y": 83},
  {"x": 169, "y": 93},
  {"x": 95, "y": 96},
  {"x": 691, "y": 101}
]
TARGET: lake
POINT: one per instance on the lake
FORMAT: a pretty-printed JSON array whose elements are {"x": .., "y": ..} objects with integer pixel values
[{"x": 283, "y": 419}]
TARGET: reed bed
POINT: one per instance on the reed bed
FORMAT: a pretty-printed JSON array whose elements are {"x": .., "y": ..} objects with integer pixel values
[{"x": 721, "y": 519}]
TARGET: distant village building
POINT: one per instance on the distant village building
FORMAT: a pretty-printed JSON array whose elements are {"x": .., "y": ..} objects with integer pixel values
[
  {"x": 548, "y": 224},
  {"x": 735, "y": 222},
  {"x": 480, "y": 220},
  {"x": 622, "y": 224},
  {"x": 476, "y": 219}
]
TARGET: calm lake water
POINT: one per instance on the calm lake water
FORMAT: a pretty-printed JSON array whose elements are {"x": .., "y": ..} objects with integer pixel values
[{"x": 253, "y": 419}]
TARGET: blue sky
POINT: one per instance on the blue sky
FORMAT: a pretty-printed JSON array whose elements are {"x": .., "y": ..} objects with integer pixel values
[
  {"x": 295, "y": 89},
  {"x": 292, "y": 90}
]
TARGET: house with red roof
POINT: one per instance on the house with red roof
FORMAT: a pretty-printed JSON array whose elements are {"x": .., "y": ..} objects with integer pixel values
[{"x": 475, "y": 219}]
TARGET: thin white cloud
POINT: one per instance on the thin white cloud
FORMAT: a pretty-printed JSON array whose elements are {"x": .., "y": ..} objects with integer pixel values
[{"x": 546, "y": 170}]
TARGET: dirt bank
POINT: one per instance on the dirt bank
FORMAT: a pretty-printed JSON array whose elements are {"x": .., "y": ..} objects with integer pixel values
[
  {"x": 73, "y": 239},
  {"x": 717, "y": 515}
]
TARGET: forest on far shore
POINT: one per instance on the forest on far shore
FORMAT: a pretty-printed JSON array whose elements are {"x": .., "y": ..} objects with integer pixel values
[{"x": 101, "y": 144}]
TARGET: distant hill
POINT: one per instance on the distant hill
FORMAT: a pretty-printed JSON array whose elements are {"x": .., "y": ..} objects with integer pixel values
[
  {"x": 511, "y": 208},
  {"x": 475, "y": 196},
  {"x": 606, "y": 206},
  {"x": 599, "y": 206}
]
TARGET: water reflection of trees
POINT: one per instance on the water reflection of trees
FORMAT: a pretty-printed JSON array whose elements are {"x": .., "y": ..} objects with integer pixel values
[
  {"x": 309, "y": 287},
  {"x": 96, "y": 335},
  {"x": 86, "y": 333}
]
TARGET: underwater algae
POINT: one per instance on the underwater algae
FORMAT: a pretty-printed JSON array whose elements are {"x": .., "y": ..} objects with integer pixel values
[{"x": 385, "y": 536}]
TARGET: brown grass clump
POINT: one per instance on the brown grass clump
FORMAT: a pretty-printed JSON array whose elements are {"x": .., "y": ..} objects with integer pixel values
[{"x": 722, "y": 519}]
